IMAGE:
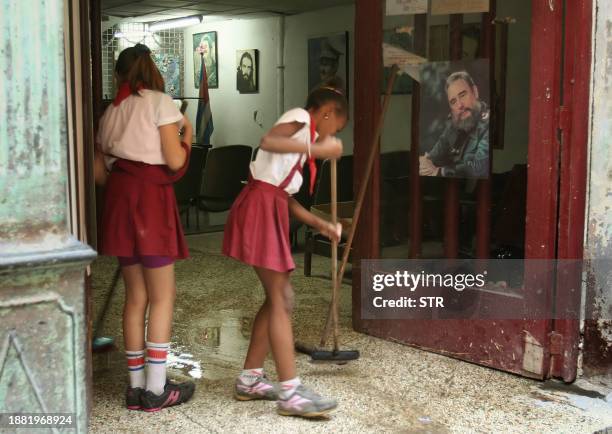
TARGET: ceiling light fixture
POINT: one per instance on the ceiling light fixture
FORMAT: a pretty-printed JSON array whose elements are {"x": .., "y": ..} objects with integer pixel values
[
  {"x": 175, "y": 23},
  {"x": 127, "y": 34}
]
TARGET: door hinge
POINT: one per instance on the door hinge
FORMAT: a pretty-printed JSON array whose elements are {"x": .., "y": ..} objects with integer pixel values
[
  {"x": 563, "y": 116},
  {"x": 556, "y": 343}
]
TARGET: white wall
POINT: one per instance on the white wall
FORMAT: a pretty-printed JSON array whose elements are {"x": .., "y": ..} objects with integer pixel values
[
  {"x": 598, "y": 240},
  {"x": 232, "y": 111},
  {"x": 300, "y": 28}
]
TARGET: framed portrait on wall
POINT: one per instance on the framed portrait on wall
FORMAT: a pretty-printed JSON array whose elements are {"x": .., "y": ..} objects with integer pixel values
[
  {"x": 327, "y": 60},
  {"x": 454, "y": 119},
  {"x": 205, "y": 49},
  {"x": 247, "y": 73},
  {"x": 471, "y": 35}
]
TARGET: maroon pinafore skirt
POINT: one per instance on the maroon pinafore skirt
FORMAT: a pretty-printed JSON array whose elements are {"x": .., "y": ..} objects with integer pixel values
[{"x": 257, "y": 228}]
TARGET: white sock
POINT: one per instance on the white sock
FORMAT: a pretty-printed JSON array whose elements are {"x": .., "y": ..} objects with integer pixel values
[
  {"x": 249, "y": 376},
  {"x": 156, "y": 366},
  {"x": 136, "y": 368},
  {"x": 287, "y": 388}
]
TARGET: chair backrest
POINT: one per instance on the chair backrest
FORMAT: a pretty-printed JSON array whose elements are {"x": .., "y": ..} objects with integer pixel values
[
  {"x": 344, "y": 178},
  {"x": 188, "y": 187},
  {"x": 225, "y": 170}
]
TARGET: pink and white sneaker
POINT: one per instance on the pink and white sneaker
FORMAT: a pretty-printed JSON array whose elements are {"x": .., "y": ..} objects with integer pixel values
[
  {"x": 306, "y": 403},
  {"x": 261, "y": 389}
]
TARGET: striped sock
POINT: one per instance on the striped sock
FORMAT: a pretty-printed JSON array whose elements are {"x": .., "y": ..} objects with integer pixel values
[
  {"x": 136, "y": 363},
  {"x": 156, "y": 366}
]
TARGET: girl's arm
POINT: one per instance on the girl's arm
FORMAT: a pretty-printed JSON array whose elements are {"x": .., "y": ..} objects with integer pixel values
[
  {"x": 173, "y": 152},
  {"x": 100, "y": 173},
  {"x": 187, "y": 131},
  {"x": 326, "y": 228},
  {"x": 279, "y": 140}
]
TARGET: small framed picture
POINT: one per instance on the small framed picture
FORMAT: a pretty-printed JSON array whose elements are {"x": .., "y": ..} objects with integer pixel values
[
  {"x": 247, "y": 73},
  {"x": 328, "y": 61},
  {"x": 205, "y": 53}
]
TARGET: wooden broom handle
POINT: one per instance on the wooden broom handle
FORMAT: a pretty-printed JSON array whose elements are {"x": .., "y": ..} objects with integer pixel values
[
  {"x": 334, "y": 252},
  {"x": 360, "y": 198}
]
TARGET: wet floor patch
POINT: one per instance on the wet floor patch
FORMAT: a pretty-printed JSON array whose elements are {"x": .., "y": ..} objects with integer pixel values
[
  {"x": 212, "y": 344},
  {"x": 587, "y": 400},
  {"x": 573, "y": 389}
]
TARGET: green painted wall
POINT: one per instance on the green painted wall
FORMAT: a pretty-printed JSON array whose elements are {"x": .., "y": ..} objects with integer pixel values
[{"x": 43, "y": 332}]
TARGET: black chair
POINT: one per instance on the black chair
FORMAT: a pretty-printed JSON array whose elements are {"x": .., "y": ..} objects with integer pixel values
[
  {"x": 315, "y": 242},
  {"x": 187, "y": 188},
  {"x": 225, "y": 173}
]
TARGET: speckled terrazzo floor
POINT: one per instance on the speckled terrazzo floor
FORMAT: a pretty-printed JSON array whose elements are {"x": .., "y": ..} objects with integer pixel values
[{"x": 392, "y": 388}]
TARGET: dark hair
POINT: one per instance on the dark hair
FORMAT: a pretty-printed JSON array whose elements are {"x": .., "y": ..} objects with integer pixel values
[
  {"x": 246, "y": 54},
  {"x": 329, "y": 91},
  {"x": 136, "y": 67}
]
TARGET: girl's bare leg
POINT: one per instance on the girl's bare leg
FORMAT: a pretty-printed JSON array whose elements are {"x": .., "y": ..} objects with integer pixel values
[
  {"x": 279, "y": 301},
  {"x": 135, "y": 307},
  {"x": 161, "y": 289},
  {"x": 260, "y": 341}
]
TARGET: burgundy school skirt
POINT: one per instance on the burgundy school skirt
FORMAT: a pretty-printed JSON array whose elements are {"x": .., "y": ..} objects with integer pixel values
[
  {"x": 141, "y": 218},
  {"x": 257, "y": 228}
]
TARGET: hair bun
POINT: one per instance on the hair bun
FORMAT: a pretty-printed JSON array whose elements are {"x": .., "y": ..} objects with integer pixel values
[{"x": 142, "y": 49}]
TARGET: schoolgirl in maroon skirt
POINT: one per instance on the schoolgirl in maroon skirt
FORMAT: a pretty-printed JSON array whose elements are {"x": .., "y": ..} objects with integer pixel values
[
  {"x": 138, "y": 143},
  {"x": 257, "y": 233}
]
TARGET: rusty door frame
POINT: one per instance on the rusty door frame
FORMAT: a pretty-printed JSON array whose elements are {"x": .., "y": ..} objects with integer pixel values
[
  {"x": 573, "y": 124},
  {"x": 531, "y": 339}
]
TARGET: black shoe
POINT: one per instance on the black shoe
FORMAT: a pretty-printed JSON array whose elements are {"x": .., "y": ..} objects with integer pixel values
[
  {"x": 132, "y": 398},
  {"x": 174, "y": 394}
]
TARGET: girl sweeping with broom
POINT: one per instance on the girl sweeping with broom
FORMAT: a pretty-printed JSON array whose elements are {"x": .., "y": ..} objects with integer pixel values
[{"x": 257, "y": 233}]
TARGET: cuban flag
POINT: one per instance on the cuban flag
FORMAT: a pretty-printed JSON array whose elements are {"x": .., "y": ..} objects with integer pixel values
[{"x": 204, "y": 121}]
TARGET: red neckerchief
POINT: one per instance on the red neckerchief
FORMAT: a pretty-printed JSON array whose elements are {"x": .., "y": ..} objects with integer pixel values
[
  {"x": 124, "y": 91},
  {"x": 312, "y": 165}
]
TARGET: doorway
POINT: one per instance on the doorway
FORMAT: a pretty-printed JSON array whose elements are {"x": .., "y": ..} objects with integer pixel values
[{"x": 519, "y": 210}]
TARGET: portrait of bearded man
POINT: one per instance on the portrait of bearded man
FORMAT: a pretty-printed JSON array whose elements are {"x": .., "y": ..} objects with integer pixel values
[{"x": 462, "y": 150}]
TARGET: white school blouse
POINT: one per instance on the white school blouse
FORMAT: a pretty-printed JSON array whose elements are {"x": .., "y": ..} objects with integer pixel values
[
  {"x": 273, "y": 167},
  {"x": 131, "y": 129}
]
